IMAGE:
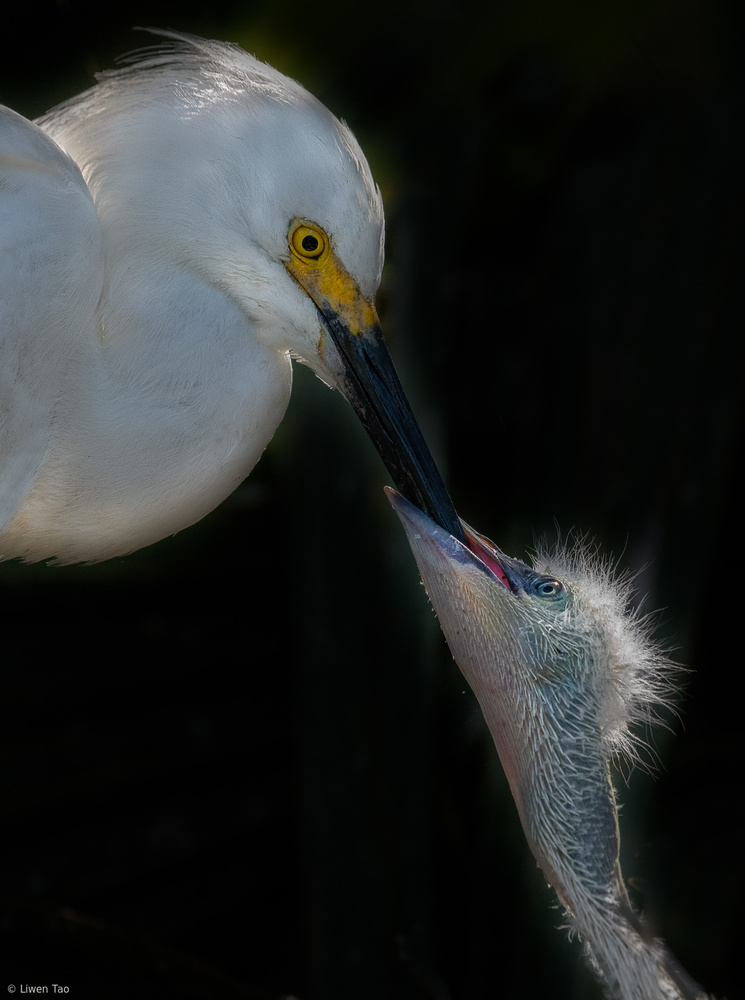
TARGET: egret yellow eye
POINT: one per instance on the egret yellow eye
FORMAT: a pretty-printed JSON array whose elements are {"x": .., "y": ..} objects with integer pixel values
[{"x": 308, "y": 243}]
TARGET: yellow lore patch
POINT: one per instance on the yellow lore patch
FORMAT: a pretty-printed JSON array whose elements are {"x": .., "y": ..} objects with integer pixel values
[{"x": 317, "y": 269}]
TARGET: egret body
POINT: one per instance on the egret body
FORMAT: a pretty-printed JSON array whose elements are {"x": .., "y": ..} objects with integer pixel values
[
  {"x": 170, "y": 240},
  {"x": 562, "y": 671}
]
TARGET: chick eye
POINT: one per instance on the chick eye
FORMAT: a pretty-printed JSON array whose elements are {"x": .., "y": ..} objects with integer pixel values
[
  {"x": 308, "y": 242},
  {"x": 551, "y": 589}
]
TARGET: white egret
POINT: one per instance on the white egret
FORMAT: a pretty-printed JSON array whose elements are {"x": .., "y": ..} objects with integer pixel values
[
  {"x": 562, "y": 670},
  {"x": 169, "y": 241}
]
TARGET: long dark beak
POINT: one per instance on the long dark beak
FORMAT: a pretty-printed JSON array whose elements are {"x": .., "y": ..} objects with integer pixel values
[
  {"x": 362, "y": 369},
  {"x": 371, "y": 384}
]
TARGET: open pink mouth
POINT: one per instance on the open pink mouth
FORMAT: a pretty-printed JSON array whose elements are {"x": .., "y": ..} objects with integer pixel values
[{"x": 485, "y": 549}]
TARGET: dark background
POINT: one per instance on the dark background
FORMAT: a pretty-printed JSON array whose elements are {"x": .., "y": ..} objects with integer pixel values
[{"x": 241, "y": 762}]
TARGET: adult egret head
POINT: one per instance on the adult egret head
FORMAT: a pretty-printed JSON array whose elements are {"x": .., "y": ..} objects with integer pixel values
[
  {"x": 171, "y": 239},
  {"x": 562, "y": 670}
]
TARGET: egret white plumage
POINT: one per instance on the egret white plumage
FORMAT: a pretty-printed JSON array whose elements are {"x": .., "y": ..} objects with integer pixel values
[
  {"x": 562, "y": 670},
  {"x": 170, "y": 240}
]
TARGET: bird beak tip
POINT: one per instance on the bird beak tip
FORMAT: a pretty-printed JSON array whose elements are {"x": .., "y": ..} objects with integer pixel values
[
  {"x": 422, "y": 532},
  {"x": 412, "y": 518}
]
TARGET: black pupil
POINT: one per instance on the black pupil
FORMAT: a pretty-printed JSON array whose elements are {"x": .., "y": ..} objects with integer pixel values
[{"x": 310, "y": 244}]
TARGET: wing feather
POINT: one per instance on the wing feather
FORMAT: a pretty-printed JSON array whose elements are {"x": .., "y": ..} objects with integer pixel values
[{"x": 51, "y": 275}]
